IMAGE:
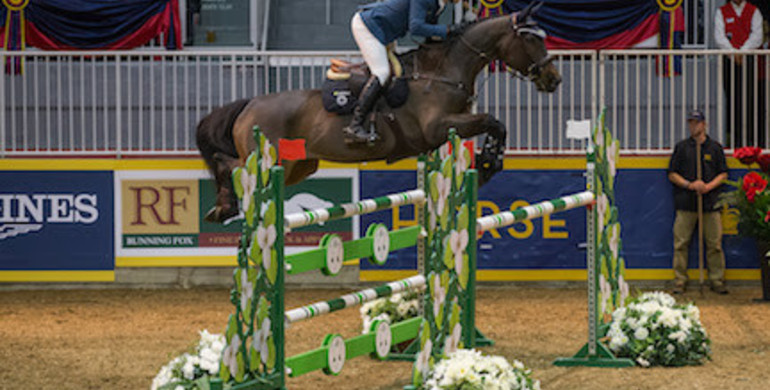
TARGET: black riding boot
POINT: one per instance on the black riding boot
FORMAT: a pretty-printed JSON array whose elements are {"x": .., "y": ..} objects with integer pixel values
[{"x": 355, "y": 132}]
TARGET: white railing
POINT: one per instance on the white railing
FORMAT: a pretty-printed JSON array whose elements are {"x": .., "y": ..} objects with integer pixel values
[
  {"x": 149, "y": 102},
  {"x": 648, "y": 112}
]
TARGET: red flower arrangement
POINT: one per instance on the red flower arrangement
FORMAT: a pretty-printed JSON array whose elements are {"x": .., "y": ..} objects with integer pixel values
[
  {"x": 752, "y": 197},
  {"x": 748, "y": 155}
]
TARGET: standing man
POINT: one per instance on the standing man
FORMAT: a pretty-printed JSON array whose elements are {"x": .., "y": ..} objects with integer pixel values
[
  {"x": 738, "y": 27},
  {"x": 682, "y": 172}
]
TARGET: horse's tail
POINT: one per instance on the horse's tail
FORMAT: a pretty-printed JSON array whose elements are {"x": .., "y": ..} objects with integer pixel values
[{"x": 214, "y": 134}]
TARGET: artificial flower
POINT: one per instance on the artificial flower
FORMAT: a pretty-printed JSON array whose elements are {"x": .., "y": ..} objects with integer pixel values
[
  {"x": 747, "y": 155},
  {"x": 753, "y": 183}
]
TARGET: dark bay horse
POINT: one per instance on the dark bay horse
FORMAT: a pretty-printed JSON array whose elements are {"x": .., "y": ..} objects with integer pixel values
[{"x": 442, "y": 80}]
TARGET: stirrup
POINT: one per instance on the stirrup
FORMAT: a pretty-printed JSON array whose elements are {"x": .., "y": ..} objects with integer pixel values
[{"x": 359, "y": 135}]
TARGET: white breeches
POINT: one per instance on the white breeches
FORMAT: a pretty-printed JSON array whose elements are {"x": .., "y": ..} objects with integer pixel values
[{"x": 374, "y": 52}]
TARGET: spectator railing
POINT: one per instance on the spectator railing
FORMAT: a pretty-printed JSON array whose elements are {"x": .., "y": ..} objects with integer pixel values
[{"x": 147, "y": 103}]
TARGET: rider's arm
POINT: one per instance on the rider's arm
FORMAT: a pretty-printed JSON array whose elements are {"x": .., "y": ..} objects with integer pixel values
[{"x": 418, "y": 25}]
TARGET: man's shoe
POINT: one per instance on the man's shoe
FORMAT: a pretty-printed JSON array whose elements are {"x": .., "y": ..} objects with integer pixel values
[{"x": 719, "y": 289}]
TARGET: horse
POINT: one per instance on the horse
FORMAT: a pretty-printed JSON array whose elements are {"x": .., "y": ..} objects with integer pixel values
[{"x": 441, "y": 80}]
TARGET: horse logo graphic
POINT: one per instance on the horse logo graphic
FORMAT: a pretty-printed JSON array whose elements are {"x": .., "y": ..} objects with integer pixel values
[
  {"x": 298, "y": 203},
  {"x": 304, "y": 201},
  {"x": 13, "y": 230}
]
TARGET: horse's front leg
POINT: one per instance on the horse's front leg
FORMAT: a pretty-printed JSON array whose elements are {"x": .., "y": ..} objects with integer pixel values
[{"x": 490, "y": 160}]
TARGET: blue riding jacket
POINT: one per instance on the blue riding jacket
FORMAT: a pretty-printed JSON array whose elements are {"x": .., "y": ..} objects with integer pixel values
[{"x": 392, "y": 19}]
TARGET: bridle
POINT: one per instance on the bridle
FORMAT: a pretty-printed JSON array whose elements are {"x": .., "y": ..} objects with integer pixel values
[{"x": 535, "y": 70}]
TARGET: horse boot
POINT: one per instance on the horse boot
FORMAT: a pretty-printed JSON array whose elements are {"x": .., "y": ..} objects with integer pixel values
[
  {"x": 355, "y": 132},
  {"x": 490, "y": 160}
]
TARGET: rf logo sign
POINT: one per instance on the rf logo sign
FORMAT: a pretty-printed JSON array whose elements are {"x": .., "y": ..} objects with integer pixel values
[
  {"x": 149, "y": 199},
  {"x": 160, "y": 206}
]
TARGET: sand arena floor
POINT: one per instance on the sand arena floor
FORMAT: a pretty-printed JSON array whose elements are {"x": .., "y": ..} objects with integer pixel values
[{"x": 118, "y": 339}]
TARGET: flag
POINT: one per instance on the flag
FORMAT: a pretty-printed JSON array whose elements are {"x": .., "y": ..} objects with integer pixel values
[
  {"x": 471, "y": 148},
  {"x": 291, "y": 149}
]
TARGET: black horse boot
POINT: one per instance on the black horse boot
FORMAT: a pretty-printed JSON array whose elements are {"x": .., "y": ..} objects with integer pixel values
[{"x": 355, "y": 132}]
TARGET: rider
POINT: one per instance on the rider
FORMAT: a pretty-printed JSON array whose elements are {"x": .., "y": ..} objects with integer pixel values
[{"x": 375, "y": 26}]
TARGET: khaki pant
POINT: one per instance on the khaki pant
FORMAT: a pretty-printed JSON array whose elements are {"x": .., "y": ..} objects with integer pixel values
[{"x": 684, "y": 225}]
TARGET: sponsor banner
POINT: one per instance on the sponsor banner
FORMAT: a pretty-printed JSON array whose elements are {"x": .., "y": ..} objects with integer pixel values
[
  {"x": 161, "y": 219},
  {"x": 56, "y": 221},
  {"x": 528, "y": 250}
]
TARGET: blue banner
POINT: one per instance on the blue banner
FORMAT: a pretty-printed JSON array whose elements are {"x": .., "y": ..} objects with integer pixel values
[
  {"x": 57, "y": 221},
  {"x": 646, "y": 209}
]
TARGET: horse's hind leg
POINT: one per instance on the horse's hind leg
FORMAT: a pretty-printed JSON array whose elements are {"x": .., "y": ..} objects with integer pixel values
[{"x": 227, "y": 204}]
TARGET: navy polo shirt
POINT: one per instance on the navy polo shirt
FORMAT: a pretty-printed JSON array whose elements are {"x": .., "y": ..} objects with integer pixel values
[{"x": 682, "y": 162}]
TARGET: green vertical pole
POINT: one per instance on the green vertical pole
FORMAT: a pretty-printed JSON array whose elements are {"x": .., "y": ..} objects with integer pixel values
[
  {"x": 592, "y": 239},
  {"x": 421, "y": 211},
  {"x": 469, "y": 325},
  {"x": 278, "y": 306}
]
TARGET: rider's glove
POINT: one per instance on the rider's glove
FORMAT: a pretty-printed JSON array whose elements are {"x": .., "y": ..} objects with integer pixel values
[{"x": 454, "y": 30}]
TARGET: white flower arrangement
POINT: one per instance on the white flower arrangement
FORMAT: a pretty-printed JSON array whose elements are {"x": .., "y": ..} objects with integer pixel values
[
  {"x": 653, "y": 330},
  {"x": 468, "y": 369},
  {"x": 191, "y": 371},
  {"x": 396, "y": 308}
]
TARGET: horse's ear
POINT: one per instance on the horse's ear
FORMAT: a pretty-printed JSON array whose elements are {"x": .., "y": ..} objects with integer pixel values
[
  {"x": 529, "y": 10},
  {"x": 537, "y": 6}
]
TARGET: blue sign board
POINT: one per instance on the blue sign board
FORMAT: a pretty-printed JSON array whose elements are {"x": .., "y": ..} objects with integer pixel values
[
  {"x": 61, "y": 220},
  {"x": 646, "y": 209}
]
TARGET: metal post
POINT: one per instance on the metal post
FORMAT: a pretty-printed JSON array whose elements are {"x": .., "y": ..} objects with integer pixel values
[
  {"x": 328, "y": 12},
  {"x": 265, "y": 23},
  {"x": 118, "y": 105}
]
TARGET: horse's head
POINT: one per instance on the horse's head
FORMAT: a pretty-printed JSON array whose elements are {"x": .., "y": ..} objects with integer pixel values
[{"x": 524, "y": 50}]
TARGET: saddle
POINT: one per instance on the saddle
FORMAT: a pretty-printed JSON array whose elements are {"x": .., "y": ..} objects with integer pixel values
[
  {"x": 340, "y": 69},
  {"x": 344, "y": 81}
]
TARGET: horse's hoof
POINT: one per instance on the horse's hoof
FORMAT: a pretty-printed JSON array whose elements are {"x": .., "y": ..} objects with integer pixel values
[
  {"x": 212, "y": 215},
  {"x": 219, "y": 214}
]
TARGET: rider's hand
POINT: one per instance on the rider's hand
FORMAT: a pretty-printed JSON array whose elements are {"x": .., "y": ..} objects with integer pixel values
[{"x": 454, "y": 30}]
